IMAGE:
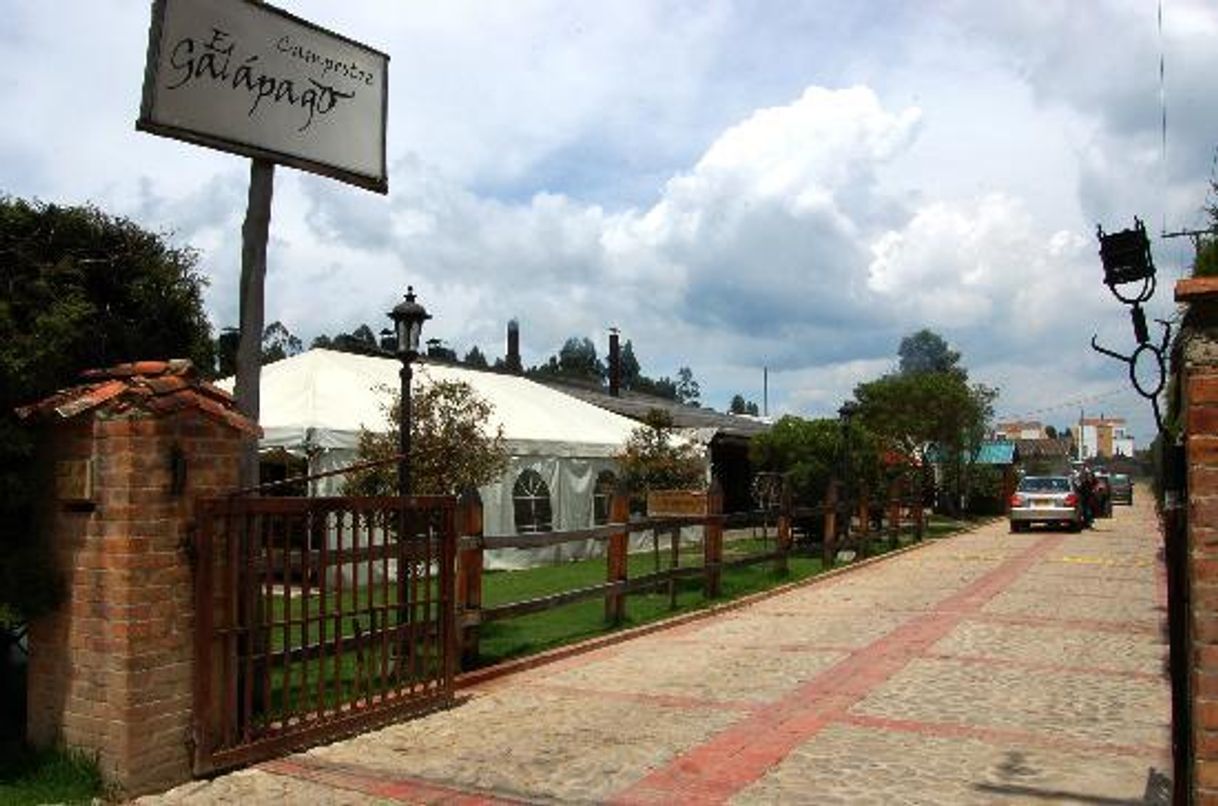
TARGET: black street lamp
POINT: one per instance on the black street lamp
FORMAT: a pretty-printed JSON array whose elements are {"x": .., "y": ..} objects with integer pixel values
[
  {"x": 408, "y": 317},
  {"x": 845, "y": 415}
]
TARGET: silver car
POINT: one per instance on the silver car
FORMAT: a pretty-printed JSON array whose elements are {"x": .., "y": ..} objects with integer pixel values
[{"x": 1046, "y": 499}]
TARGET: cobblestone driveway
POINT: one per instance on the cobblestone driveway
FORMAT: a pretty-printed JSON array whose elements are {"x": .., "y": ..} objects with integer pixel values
[{"x": 985, "y": 668}]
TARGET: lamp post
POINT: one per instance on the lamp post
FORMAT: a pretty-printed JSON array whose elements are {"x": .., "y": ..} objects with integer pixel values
[
  {"x": 408, "y": 317},
  {"x": 845, "y": 415}
]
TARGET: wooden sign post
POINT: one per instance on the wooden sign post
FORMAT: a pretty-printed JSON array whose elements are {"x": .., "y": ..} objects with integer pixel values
[{"x": 246, "y": 77}]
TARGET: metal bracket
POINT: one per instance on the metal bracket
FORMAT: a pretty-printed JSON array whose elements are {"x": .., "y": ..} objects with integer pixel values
[{"x": 1157, "y": 351}]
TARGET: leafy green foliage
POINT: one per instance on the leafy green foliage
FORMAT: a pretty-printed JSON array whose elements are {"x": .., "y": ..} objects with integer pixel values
[
  {"x": 577, "y": 360},
  {"x": 926, "y": 351},
  {"x": 81, "y": 289},
  {"x": 688, "y": 390},
  {"x": 1206, "y": 262},
  {"x": 808, "y": 452},
  {"x": 361, "y": 341},
  {"x": 654, "y": 460},
  {"x": 449, "y": 451},
  {"x": 278, "y": 343},
  {"x": 631, "y": 371},
  {"x": 53, "y": 775},
  {"x": 741, "y": 406},
  {"x": 475, "y": 358}
]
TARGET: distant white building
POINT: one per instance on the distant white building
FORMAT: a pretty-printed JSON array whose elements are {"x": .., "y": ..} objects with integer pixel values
[
  {"x": 1031, "y": 429},
  {"x": 1104, "y": 437}
]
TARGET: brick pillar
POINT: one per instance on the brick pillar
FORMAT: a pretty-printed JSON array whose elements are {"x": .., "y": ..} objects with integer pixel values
[
  {"x": 110, "y": 671},
  {"x": 1196, "y": 370}
]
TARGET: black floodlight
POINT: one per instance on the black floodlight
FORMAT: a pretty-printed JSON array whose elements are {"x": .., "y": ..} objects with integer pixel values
[{"x": 1126, "y": 255}]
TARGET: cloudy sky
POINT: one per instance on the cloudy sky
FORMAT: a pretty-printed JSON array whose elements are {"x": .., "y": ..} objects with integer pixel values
[{"x": 736, "y": 184}]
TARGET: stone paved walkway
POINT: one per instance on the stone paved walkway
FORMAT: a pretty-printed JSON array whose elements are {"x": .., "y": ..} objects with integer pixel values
[{"x": 985, "y": 668}]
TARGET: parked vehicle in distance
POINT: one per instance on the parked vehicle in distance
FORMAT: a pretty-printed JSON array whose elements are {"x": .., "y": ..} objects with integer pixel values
[
  {"x": 1122, "y": 489},
  {"x": 1046, "y": 499}
]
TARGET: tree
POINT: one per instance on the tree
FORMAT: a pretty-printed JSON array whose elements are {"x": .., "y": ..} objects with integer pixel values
[
  {"x": 278, "y": 343},
  {"x": 664, "y": 387},
  {"x": 361, "y": 341},
  {"x": 654, "y": 459},
  {"x": 475, "y": 358},
  {"x": 687, "y": 388},
  {"x": 1205, "y": 262},
  {"x": 81, "y": 289},
  {"x": 741, "y": 406},
  {"x": 805, "y": 451},
  {"x": 910, "y": 412},
  {"x": 577, "y": 358},
  {"x": 450, "y": 451},
  {"x": 926, "y": 351},
  {"x": 630, "y": 366},
  {"x": 1050, "y": 432},
  {"x": 437, "y": 349}
]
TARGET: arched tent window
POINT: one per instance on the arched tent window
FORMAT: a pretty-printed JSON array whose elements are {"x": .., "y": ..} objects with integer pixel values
[
  {"x": 602, "y": 496},
  {"x": 531, "y": 500}
]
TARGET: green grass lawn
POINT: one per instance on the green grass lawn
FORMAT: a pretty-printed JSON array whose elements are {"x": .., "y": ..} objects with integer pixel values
[{"x": 47, "y": 776}]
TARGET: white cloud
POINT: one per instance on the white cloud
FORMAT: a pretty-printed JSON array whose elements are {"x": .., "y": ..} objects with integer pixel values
[{"x": 688, "y": 171}]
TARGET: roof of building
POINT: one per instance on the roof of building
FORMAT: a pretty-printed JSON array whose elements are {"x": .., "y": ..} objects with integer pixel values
[
  {"x": 636, "y": 406},
  {"x": 321, "y": 399},
  {"x": 158, "y": 387},
  {"x": 1045, "y": 448},
  {"x": 1000, "y": 453}
]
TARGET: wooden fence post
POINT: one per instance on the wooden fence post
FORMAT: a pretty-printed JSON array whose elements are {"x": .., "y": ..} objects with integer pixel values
[
  {"x": 784, "y": 537},
  {"x": 712, "y": 541},
  {"x": 829, "y": 541},
  {"x": 615, "y": 554},
  {"x": 864, "y": 519},
  {"x": 469, "y": 576},
  {"x": 894, "y": 512}
]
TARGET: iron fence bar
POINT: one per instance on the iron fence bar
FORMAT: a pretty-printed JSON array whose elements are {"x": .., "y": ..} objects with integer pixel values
[
  {"x": 322, "y": 605},
  {"x": 204, "y": 622}
]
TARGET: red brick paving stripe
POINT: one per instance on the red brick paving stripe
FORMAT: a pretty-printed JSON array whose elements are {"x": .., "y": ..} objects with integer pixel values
[
  {"x": 739, "y": 755},
  {"x": 377, "y": 784},
  {"x": 950, "y": 730}
]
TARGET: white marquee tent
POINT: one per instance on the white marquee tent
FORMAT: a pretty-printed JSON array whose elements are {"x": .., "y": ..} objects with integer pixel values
[{"x": 313, "y": 405}]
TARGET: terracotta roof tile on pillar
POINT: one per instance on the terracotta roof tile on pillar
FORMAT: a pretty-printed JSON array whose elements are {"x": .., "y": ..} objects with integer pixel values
[{"x": 154, "y": 386}]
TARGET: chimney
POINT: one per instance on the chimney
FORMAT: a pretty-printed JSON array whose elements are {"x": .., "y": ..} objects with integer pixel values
[
  {"x": 512, "y": 361},
  {"x": 615, "y": 364}
]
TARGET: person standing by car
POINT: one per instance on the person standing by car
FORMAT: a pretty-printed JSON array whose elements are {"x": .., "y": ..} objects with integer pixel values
[{"x": 1086, "y": 492}]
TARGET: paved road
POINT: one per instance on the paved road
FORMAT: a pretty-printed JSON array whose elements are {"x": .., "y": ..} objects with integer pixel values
[{"x": 985, "y": 668}]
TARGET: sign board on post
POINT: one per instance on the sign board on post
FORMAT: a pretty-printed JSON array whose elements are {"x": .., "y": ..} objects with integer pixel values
[{"x": 254, "y": 80}]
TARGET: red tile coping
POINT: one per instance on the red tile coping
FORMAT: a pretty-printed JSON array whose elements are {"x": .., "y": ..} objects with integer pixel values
[
  {"x": 157, "y": 387},
  {"x": 1195, "y": 289}
]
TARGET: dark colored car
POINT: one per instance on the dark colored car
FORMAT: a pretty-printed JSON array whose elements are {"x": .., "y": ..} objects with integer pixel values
[{"x": 1122, "y": 489}]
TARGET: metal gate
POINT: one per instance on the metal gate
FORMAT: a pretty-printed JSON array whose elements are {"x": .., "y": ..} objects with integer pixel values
[{"x": 317, "y": 618}]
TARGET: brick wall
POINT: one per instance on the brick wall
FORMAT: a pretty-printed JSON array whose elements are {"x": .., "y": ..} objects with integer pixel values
[
  {"x": 1197, "y": 375},
  {"x": 110, "y": 671}
]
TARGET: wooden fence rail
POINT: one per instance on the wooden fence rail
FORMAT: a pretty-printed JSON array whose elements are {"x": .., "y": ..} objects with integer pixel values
[{"x": 794, "y": 531}]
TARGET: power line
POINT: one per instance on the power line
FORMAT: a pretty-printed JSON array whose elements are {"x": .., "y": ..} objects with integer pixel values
[{"x": 1071, "y": 403}]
